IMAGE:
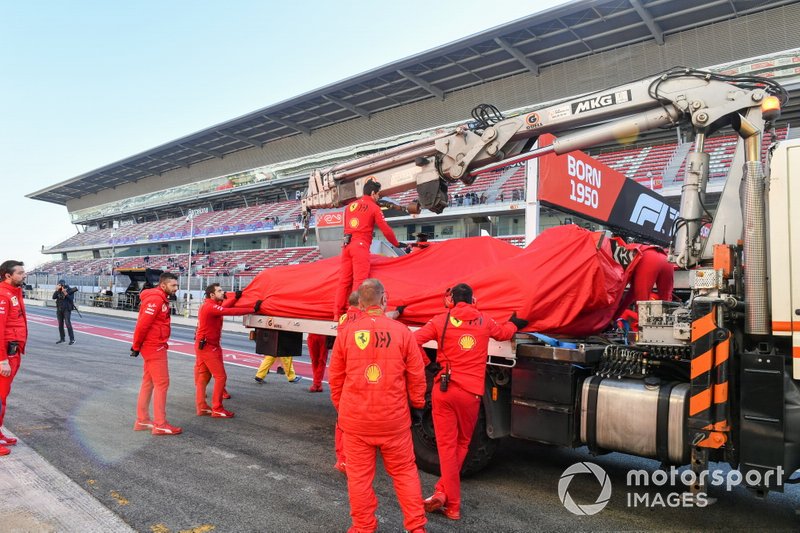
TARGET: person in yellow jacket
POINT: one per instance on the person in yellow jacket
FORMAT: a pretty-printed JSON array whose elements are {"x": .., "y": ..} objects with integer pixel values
[{"x": 267, "y": 363}]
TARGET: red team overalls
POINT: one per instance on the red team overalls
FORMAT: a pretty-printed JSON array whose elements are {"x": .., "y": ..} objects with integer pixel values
[
  {"x": 150, "y": 338},
  {"x": 455, "y": 412},
  {"x": 208, "y": 360},
  {"x": 376, "y": 369},
  {"x": 360, "y": 218},
  {"x": 318, "y": 352},
  {"x": 353, "y": 312},
  {"x": 13, "y": 327},
  {"x": 652, "y": 268}
]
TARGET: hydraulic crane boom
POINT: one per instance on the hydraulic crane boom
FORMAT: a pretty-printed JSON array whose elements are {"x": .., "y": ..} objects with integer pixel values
[{"x": 702, "y": 101}]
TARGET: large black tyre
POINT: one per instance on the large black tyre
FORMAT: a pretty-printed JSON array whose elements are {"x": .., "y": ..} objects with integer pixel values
[{"x": 481, "y": 448}]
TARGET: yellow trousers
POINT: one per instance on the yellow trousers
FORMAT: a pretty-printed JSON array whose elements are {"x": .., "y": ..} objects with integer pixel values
[{"x": 266, "y": 364}]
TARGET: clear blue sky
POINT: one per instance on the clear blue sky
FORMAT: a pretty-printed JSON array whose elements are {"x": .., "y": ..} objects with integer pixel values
[{"x": 87, "y": 83}]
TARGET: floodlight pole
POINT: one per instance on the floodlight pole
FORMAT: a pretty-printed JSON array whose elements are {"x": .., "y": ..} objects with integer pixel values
[
  {"x": 113, "y": 254},
  {"x": 190, "y": 218}
]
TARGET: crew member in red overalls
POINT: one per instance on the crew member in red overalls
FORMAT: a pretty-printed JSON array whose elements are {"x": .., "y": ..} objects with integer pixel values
[
  {"x": 207, "y": 349},
  {"x": 318, "y": 352},
  {"x": 150, "y": 339},
  {"x": 353, "y": 312},
  {"x": 650, "y": 268},
  {"x": 360, "y": 218},
  {"x": 376, "y": 369},
  {"x": 463, "y": 334},
  {"x": 13, "y": 335}
]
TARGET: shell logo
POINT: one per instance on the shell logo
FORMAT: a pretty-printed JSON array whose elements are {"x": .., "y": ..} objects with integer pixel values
[
  {"x": 353, "y": 223},
  {"x": 353, "y": 206},
  {"x": 373, "y": 373},
  {"x": 362, "y": 338},
  {"x": 467, "y": 342},
  {"x": 456, "y": 322}
]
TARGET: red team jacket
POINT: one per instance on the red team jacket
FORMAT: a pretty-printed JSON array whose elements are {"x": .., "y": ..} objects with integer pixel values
[
  {"x": 13, "y": 326},
  {"x": 360, "y": 217},
  {"x": 466, "y": 343},
  {"x": 209, "y": 319},
  {"x": 376, "y": 368},
  {"x": 153, "y": 326},
  {"x": 348, "y": 317}
]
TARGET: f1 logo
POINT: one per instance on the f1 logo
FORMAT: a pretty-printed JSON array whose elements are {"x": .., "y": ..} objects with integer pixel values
[{"x": 652, "y": 210}]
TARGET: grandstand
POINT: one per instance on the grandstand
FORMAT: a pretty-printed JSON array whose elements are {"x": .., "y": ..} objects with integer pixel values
[
  {"x": 653, "y": 162},
  {"x": 231, "y": 191}
]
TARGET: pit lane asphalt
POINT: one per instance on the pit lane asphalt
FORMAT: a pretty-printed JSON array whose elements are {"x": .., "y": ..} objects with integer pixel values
[{"x": 270, "y": 468}]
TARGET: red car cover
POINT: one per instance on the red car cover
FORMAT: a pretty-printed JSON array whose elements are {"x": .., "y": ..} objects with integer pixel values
[{"x": 561, "y": 283}]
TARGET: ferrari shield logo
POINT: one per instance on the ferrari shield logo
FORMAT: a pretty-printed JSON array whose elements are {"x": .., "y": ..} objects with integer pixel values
[
  {"x": 373, "y": 373},
  {"x": 353, "y": 207},
  {"x": 456, "y": 322},
  {"x": 342, "y": 318},
  {"x": 362, "y": 338}
]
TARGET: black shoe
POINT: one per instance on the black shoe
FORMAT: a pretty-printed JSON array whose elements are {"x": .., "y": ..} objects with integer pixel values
[
  {"x": 59, "y": 342},
  {"x": 259, "y": 381},
  {"x": 72, "y": 342},
  {"x": 280, "y": 371}
]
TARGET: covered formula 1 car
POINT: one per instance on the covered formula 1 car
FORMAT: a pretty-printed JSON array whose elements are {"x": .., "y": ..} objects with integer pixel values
[{"x": 565, "y": 282}]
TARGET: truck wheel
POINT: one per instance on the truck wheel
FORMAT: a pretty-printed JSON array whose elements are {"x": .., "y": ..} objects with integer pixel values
[{"x": 481, "y": 449}]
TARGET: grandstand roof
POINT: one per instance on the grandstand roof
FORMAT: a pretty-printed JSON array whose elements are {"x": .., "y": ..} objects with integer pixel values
[{"x": 576, "y": 29}]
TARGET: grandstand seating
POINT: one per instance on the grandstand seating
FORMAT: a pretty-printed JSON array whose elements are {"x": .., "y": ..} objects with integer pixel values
[
  {"x": 241, "y": 220},
  {"x": 479, "y": 188},
  {"x": 635, "y": 163},
  {"x": 241, "y": 262},
  {"x": 235, "y": 263}
]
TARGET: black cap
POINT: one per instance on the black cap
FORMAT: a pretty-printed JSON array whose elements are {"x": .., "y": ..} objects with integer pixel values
[{"x": 62, "y": 282}]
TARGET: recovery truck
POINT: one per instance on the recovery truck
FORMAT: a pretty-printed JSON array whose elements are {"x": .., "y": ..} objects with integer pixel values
[{"x": 712, "y": 379}]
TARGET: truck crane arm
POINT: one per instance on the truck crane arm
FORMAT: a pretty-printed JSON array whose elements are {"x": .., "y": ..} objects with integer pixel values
[
  {"x": 703, "y": 101},
  {"x": 679, "y": 96}
]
